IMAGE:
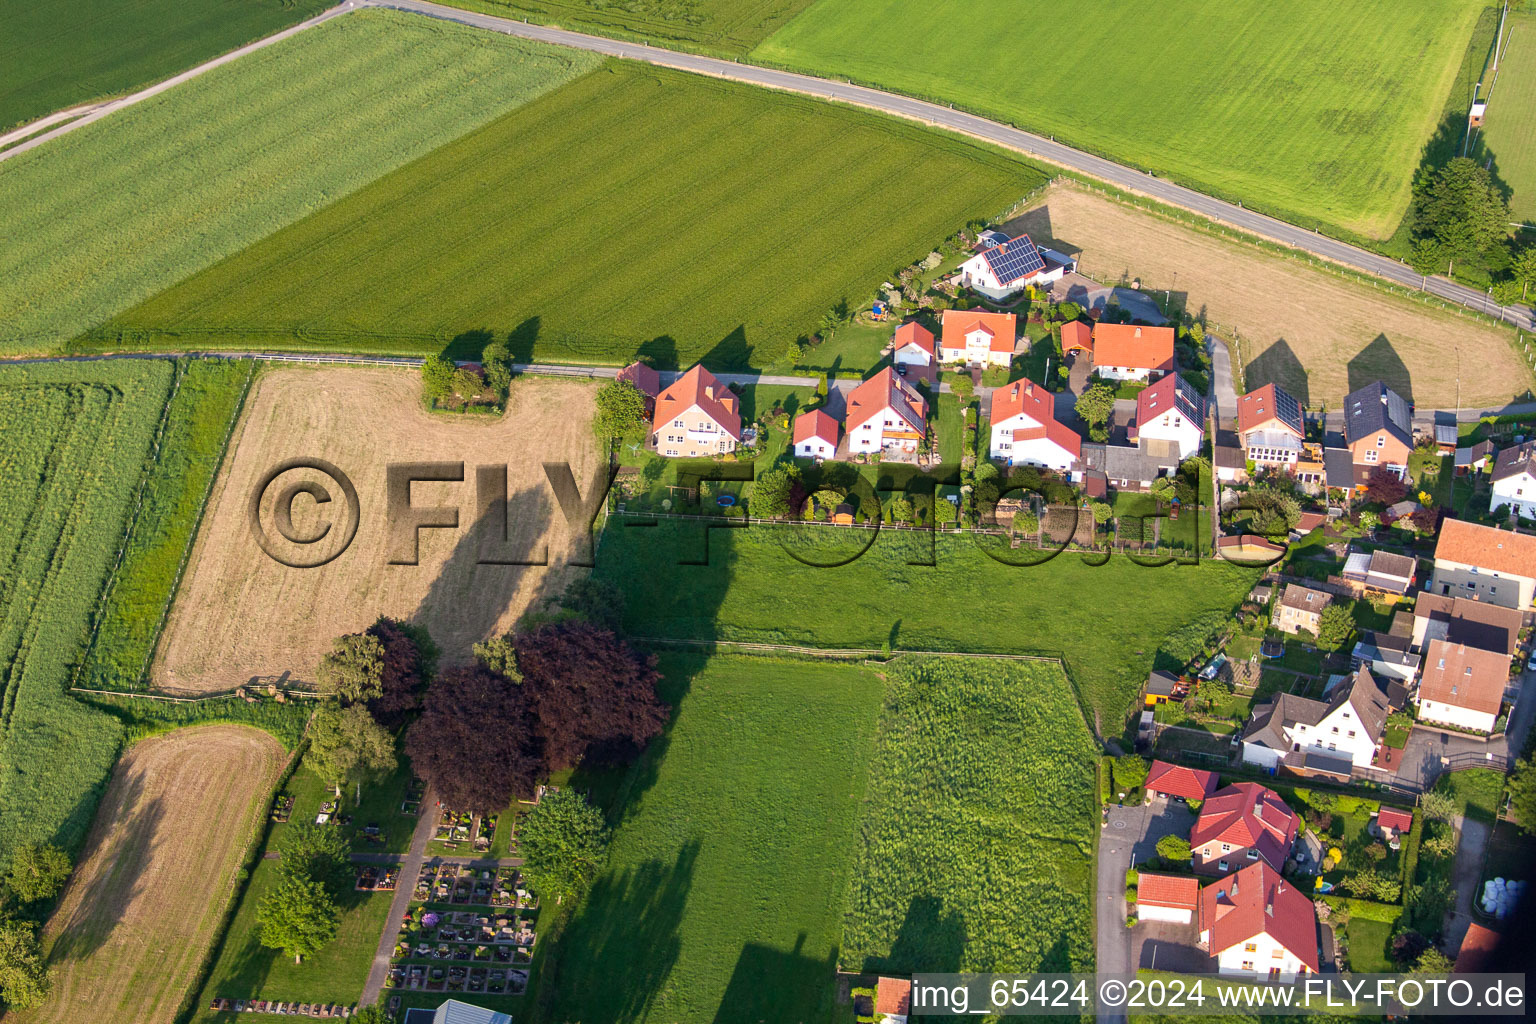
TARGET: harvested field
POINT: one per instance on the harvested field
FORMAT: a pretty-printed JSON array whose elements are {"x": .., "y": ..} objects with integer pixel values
[
  {"x": 141, "y": 909},
  {"x": 1316, "y": 334},
  {"x": 241, "y": 615}
]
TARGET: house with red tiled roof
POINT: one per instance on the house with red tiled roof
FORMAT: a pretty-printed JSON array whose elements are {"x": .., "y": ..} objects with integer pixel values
[
  {"x": 893, "y": 999},
  {"x": 976, "y": 337},
  {"x": 1270, "y": 424},
  {"x": 913, "y": 345},
  {"x": 1485, "y": 563},
  {"x": 1477, "y": 948},
  {"x": 1170, "y": 410},
  {"x": 1025, "y": 431},
  {"x": 885, "y": 413},
  {"x": 1256, "y": 923},
  {"x": 1076, "y": 336},
  {"x": 1132, "y": 351},
  {"x": 1462, "y": 685},
  {"x": 1166, "y": 897},
  {"x": 1167, "y": 779},
  {"x": 646, "y": 381},
  {"x": 815, "y": 435},
  {"x": 1244, "y": 822},
  {"x": 696, "y": 416}
]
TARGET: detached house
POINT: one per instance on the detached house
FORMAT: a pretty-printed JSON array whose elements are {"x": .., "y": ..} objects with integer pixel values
[
  {"x": 1462, "y": 685},
  {"x": 1379, "y": 572},
  {"x": 696, "y": 416},
  {"x": 1132, "y": 352},
  {"x": 914, "y": 346},
  {"x": 1244, "y": 822},
  {"x": 1025, "y": 431},
  {"x": 1009, "y": 265},
  {"x": 885, "y": 413},
  {"x": 1305, "y": 735},
  {"x": 1464, "y": 621},
  {"x": 1300, "y": 608},
  {"x": 1378, "y": 431},
  {"x": 1170, "y": 410},
  {"x": 1485, "y": 563},
  {"x": 1256, "y": 923},
  {"x": 815, "y": 435},
  {"x": 1514, "y": 481},
  {"x": 1270, "y": 425},
  {"x": 976, "y": 337}
]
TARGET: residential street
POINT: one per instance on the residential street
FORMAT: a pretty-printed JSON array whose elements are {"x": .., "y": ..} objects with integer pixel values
[{"x": 1133, "y": 833}]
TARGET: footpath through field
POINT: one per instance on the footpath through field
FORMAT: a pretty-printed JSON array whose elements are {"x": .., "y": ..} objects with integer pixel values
[{"x": 1037, "y": 146}]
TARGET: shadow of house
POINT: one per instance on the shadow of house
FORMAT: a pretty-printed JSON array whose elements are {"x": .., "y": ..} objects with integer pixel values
[
  {"x": 731, "y": 352},
  {"x": 931, "y": 940},
  {"x": 779, "y": 985},
  {"x": 1036, "y": 224},
  {"x": 1379, "y": 361},
  {"x": 614, "y": 960},
  {"x": 660, "y": 352},
  {"x": 1278, "y": 364}
]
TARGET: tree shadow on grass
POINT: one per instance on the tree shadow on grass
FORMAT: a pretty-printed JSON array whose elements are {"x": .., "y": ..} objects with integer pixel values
[
  {"x": 113, "y": 891},
  {"x": 617, "y": 955},
  {"x": 778, "y": 985},
  {"x": 931, "y": 941}
]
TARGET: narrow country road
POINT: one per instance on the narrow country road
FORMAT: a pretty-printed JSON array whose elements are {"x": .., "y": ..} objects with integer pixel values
[{"x": 1037, "y": 146}]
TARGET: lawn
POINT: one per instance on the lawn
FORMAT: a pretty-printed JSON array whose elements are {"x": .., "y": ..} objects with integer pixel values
[
  {"x": 107, "y": 216},
  {"x": 1477, "y": 791},
  {"x": 636, "y": 211},
  {"x": 73, "y": 443},
  {"x": 718, "y": 26},
  {"x": 1506, "y": 134},
  {"x": 724, "y": 887},
  {"x": 1112, "y": 623},
  {"x": 1322, "y": 108},
  {"x": 975, "y": 848},
  {"x": 57, "y": 54},
  {"x": 1368, "y": 946},
  {"x": 206, "y": 397}
]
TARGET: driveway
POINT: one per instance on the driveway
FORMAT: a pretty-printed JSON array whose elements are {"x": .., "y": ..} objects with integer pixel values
[
  {"x": 1428, "y": 746},
  {"x": 1132, "y": 834},
  {"x": 1468, "y": 871},
  {"x": 1224, "y": 391}
]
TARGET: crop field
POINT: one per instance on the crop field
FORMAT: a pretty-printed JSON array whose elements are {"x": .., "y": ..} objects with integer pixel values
[
  {"x": 197, "y": 424},
  {"x": 156, "y": 875},
  {"x": 1112, "y": 622},
  {"x": 241, "y": 614},
  {"x": 73, "y": 442},
  {"x": 722, "y": 895},
  {"x": 1318, "y": 335},
  {"x": 975, "y": 848},
  {"x": 105, "y": 217},
  {"x": 1311, "y": 109},
  {"x": 636, "y": 210},
  {"x": 726, "y": 26},
  {"x": 1507, "y": 134},
  {"x": 57, "y": 54}
]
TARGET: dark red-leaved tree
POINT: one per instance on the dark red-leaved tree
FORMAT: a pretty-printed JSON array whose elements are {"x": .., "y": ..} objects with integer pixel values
[
  {"x": 404, "y": 674},
  {"x": 476, "y": 740},
  {"x": 1384, "y": 487},
  {"x": 591, "y": 693}
]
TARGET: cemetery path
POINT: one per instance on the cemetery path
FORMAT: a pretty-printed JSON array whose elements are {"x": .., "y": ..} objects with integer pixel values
[
  {"x": 410, "y": 869},
  {"x": 468, "y": 861}
]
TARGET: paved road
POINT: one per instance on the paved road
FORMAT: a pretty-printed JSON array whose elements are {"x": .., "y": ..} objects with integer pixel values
[
  {"x": 1223, "y": 389},
  {"x": 1037, "y": 146},
  {"x": 405, "y": 889}
]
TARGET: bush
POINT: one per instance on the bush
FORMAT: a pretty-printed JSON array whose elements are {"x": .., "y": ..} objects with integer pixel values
[{"x": 1173, "y": 848}]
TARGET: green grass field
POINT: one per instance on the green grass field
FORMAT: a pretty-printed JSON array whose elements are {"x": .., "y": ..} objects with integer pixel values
[
  {"x": 1311, "y": 109},
  {"x": 636, "y": 210},
  {"x": 55, "y": 54},
  {"x": 197, "y": 423},
  {"x": 73, "y": 440},
  {"x": 107, "y": 216},
  {"x": 1507, "y": 135},
  {"x": 975, "y": 847},
  {"x": 724, "y": 26},
  {"x": 723, "y": 891},
  {"x": 1112, "y": 623}
]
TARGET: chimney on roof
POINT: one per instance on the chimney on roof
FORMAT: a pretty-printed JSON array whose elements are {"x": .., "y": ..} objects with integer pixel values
[
  {"x": 1138, "y": 332},
  {"x": 709, "y": 392},
  {"x": 1234, "y": 887},
  {"x": 1269, "y": 909}
]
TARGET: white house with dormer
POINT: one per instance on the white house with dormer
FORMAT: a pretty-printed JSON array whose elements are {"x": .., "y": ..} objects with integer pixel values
[
  {"x": 1257, "y": 924},
  {"x": 1025, "y": 431},
  {"x": 1170, "y": 410},
  {"x": 1514, "y": 481},
  {"x": 886, "y": 414},
  {"x": 978, "y": 338}
]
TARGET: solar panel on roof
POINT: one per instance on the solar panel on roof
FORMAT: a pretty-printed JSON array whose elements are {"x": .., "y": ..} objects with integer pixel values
[{"x": 1019, "y": 258}]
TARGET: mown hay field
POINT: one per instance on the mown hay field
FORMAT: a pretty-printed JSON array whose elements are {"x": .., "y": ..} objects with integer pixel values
[
  {"x": 635, "y": 210},
  {"x": 73, "y": 443},
  {"x": 1509, "y": 133},
  {"x": 107, "y": 216},
  {"x": 725, "y": 26},
  {"x": 1312, "y": 109},
  {"x": 158, "y": 870},
  {"x": 722, "y": 895},
  {"x": 241, "y": 614},
  {"x": 975, "y": 846},
  {"x": 56, "y": 54},
  {"x": 1111, "y": 622},
  {"x": 1317, "y": 334}
]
